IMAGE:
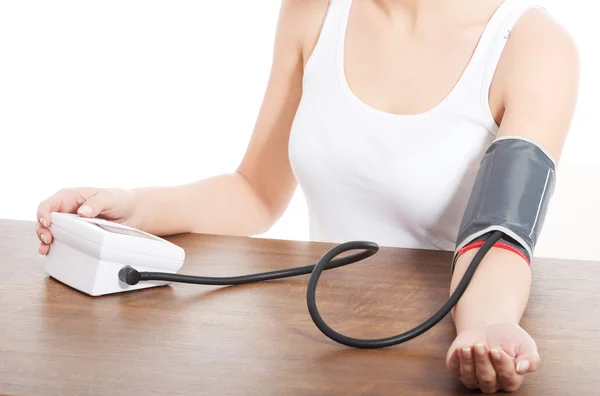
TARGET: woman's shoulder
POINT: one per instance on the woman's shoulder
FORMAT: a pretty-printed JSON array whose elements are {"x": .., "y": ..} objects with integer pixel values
[
  {"x": 538, "y": 27},
  {"x": 539, "y": 42},
  {"x": 540, "y": 54}
]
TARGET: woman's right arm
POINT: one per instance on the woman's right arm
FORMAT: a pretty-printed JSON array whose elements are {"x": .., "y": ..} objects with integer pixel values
[
  {"x": 250, "y": 200},
  {"x": 245, "y": 202}
]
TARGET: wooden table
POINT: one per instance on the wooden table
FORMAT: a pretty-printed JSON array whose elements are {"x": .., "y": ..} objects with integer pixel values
[{"x": 259, "y": 339}]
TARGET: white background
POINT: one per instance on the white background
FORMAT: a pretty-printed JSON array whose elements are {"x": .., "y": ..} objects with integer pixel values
[{"x": 83, "y": 86}]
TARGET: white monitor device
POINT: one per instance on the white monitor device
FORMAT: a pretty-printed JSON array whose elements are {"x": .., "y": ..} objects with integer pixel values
[{"x": 87, "y": 254}]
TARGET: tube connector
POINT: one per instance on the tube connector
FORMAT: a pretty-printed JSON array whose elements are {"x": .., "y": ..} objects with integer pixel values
[{"x": 129, "y": 275}]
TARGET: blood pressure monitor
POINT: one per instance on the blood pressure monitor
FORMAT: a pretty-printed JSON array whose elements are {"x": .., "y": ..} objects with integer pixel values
[{"x": 87, "y": 254}]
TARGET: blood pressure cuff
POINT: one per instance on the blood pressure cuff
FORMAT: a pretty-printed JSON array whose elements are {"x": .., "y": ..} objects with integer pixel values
[{"x": 511, "y": 194}]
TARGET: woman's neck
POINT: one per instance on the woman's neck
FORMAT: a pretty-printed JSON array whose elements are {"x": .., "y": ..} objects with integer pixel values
[{"x": 418, "y": 12}]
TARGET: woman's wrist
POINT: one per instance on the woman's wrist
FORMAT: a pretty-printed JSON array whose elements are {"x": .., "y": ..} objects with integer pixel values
[
  {"x": 465, "y": 323},
  {"x": 137, "y": 216},
  {"x": 156, "y": 210}
]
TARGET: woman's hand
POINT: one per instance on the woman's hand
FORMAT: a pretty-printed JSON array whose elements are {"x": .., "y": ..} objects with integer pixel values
[
  {"x": 493, "y": 358},
  {"x": 111, "y": 204}
]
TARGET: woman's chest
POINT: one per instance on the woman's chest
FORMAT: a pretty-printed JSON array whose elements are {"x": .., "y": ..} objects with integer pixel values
[{"x": 423, "y": 165}]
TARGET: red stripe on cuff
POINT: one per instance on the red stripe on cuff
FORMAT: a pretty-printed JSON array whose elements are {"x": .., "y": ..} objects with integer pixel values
[
  {"x": 497, "y": 244},
  {"x": 470, "y": 246}
]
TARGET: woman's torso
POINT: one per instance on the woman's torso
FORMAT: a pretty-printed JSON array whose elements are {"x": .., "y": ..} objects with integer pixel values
[{"x": 391, "y": 127}]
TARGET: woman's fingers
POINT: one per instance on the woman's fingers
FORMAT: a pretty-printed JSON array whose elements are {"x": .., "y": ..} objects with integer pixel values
[
  {"x": 467, "y": 368},
  {"x": 44, "y": 234},
  {"x": 484, "y": 370},
  {"x": 453, "y": 362},
  {"x": 45, "y": 237},
  {"x": 508, "y": 378},
  {"x": 43, "y": 249},
  {"x": 66, "y": 200},
  {"x": 55, "y": 203},
  {"x": 528, "y": 359},
  {"x": 97, "y": 203}
]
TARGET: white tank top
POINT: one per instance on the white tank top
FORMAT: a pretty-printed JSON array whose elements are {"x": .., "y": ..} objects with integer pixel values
[{"x": 397, "y": 180}]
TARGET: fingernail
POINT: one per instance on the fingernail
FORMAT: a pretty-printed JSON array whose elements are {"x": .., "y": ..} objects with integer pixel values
[
  {"x": 495, "y": 354},
  {"x": 522, "y": 366},
  {"x": 466, "y": 352},
  {"x": 43, "y": 221},
  {"x": 479, "y": 348},
  {"x": 85, "y": 210},
  {"x": 43, "y": 237}
]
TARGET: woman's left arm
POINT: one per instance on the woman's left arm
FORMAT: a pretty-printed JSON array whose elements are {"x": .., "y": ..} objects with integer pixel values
[{"x": 539, "y": 83}]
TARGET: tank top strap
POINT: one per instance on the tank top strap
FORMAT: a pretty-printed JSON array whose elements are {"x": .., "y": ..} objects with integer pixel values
[{"x": 325, "y": 51}]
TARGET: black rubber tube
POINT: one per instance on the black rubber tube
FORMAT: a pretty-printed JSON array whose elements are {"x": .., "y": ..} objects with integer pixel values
[
  {"x": 131, "y": 276},
  {"x": 400, "y": 338}
]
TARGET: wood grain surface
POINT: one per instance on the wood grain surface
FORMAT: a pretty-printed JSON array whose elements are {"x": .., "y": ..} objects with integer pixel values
[{"x": 259, "y": 339}]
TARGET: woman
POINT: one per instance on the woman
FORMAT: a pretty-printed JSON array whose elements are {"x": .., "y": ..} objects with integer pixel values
[{"x": 381, "y": 111}]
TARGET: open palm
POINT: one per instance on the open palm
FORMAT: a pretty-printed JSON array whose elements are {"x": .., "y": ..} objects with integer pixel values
[{"x": 493, "y": 358}]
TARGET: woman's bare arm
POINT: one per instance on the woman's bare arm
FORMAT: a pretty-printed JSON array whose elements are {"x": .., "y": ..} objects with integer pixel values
[
  {"x": 250, "y": 200},
  {"x": 540, "y": 69}
]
